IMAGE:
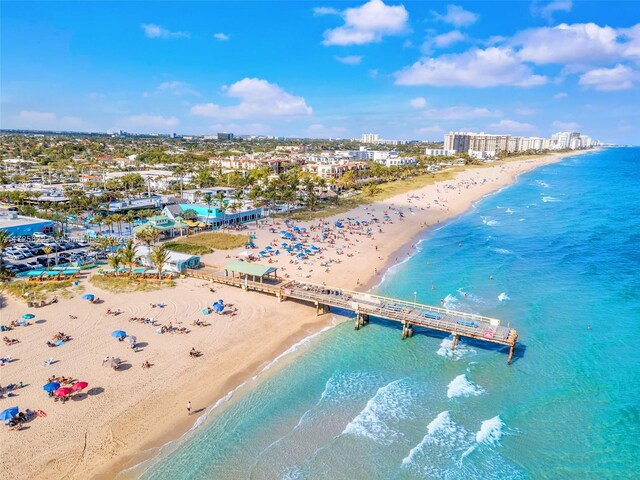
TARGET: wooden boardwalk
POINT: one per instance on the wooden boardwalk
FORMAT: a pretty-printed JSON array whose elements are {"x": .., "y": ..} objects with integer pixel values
[{"x": 364, "y": 305}]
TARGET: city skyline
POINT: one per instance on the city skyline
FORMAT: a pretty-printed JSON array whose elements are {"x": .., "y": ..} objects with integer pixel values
[{"x": 404, "y": 70}]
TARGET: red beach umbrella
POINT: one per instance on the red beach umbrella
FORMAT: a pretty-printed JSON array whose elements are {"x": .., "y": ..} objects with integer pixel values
[
  {"x": 62, "y": 392},
  {"x": 76, "y": 387}
]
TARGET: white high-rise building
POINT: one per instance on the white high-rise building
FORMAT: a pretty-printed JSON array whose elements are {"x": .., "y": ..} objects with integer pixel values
[{"x": 370, "y": 138}]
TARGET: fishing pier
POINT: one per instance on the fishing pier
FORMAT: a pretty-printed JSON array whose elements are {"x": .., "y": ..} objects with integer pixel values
[{"x": 366, "y": 305}]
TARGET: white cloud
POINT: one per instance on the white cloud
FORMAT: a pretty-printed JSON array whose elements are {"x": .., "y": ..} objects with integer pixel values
[
  {"x": 222, "y": 37},
  {"x": 350, "y": 59},
  {"x": 512, "y": 126},
  {"x": 608, "y": 79},
  {"x": 148, "y": 123},
  {"x": 632, "y": 47},
  {"x": 547, "y": 11},
  {"x": 460, "y": 112},
  {"x": 156, "y": 31},
  {"x": 580, "y": 43},
  {"x": 560, "y": 95},
  {"x": 368, "y": 23},
  {"x": 258, "y": 98},
  {"x": 457, "y": 16},
  {"x": 477, "y": 68},
  {"x": 565, "y": 126},
  {"x": 449, "y": 38},
  {"x": 173, "y": 87},
  {"x": 33, "y": 120},
  {"x": 325, "y": 11},
  {"x": 418, "y": 102}
]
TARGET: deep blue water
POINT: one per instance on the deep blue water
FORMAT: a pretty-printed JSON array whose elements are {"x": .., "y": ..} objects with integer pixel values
[{"x": 563, "y": 247}]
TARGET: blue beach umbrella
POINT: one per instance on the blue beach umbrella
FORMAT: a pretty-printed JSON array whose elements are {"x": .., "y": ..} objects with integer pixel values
[
  {"x": 268, "y": 247},
  {"x": 51, "y": 386},
  {"x": 119, "y": 334},
  {"x": 206, "y": 311},
  {"x": 88, "y": 296},
  {"x": 218, "y": 307},
  {"x": 28, "y": 316},
  {"x": 9, "y": 413}
]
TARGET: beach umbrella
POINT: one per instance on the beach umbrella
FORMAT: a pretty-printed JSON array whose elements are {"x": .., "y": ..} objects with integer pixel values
[
  {"x": 76, "y": 387},
  {"x": 131, "y": 340},
  {"x": 206, "y": 311},
  {"x": 218, "y": 307},
  {"x": 88, "y": 296},
  {"x": 9, "y": 413},
  {"x": 268, "y": 247},
  {"x": 62, "y": 392},
  {"x": 118, "y": 334},
  {"x": 28, "y": 316},
  {"x": 51, "y": 386}
]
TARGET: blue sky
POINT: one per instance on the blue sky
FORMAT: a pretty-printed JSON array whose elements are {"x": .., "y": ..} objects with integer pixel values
[{"x": 409, "y": 70}]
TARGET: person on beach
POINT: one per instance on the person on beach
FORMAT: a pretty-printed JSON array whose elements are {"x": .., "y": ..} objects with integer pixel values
[{"x": 189, "y": 408}]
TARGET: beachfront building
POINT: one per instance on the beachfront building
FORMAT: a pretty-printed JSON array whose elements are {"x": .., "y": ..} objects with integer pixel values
[
  {"x": 196, "y": 195},
  {"x": 177, "y": 262},
  {"x": 335, "y": 167},
  {"x": 21, "y": 226},
  {"x": 167, "y": 227},
  {"x": 119, "y": 206},
  {"x": 214, "y": 216},
  {"x": 439, "y": 152}
]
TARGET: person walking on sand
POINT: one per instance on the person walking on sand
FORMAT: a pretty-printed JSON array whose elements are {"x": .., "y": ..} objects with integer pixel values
[{"x": 189, "y": 408}]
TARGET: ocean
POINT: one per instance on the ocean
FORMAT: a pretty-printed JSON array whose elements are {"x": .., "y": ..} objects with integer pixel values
[{"x": 557, "y": 255}]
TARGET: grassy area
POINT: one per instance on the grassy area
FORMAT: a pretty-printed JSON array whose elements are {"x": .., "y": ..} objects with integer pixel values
[
  {"x": 209, "y": 241},
  {"x": 185, "y": 247},
  {"x": 125, "y": 284},
  {"x": 28, "y": 291}
]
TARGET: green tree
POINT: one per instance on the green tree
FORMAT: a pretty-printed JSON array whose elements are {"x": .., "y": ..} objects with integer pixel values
[
  {"x": 115, "y": 260},
  {"x": 158, "y": 256},
  {"x": 128, "y": 254}
]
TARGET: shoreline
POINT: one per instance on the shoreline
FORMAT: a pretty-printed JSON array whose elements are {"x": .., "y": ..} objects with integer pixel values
[{"x": 126, "y": 437}]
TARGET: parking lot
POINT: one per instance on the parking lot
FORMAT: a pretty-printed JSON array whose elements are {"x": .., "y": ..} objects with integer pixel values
[{"x": 31, "y": 255}]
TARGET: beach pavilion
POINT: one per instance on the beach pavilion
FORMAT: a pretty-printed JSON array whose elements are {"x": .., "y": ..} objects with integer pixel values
[
  {"x": 254, "y": 270},
  {"x": 164, "y": 225}
]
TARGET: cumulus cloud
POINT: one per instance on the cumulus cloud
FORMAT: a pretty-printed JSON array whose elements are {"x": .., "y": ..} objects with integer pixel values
[
  {"x": 580, "y": 43},
  {"x": 221, "y": 37},
  {"x": 546, "y": 11},
  {"x": 34, "y": 120},
  {"x": 367, "y": 23},
  {"x": 457, "y": 16},
  {"x": 156, "y": 31},
  {"x": 619, "y": 77},
  {"x": 325, "y": 11},
  {"x": 632, "y": 35},
  {"x": 148, "y": 123},
  {"x": 477, "y": 68},
  {"x": 173, "y": 87},
  {"x": 258, "y": 99},
  {"x": 460, "y": 112},
  {"x": 350, "y": 59},
  {"x": 560, "y": 95},
  {"x": 449, "y": 38},
  {"x": 565, "y": 126},
  {"x": 512, "y": 126},
  {"x": 418, "y": 102}
]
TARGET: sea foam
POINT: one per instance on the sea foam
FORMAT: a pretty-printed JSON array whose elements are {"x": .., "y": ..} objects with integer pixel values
[
  {"x": 489, "y": 221},
  {"x": 547, "y": 199},
  {"x": 461, "y": 386},
  {"x": 390, "y": 404},
  {"x": 459, "y": 352},
  {"x": 503, "y": 297}
]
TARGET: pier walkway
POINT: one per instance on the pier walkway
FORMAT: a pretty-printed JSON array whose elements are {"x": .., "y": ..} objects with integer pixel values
[{"x": 364, "y": 305}]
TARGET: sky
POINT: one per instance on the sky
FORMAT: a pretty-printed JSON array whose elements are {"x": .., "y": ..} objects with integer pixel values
[{"x": 405, "y": 70}]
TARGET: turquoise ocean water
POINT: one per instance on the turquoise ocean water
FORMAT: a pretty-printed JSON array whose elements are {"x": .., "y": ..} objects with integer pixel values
[{"x": 563, "y": 246}]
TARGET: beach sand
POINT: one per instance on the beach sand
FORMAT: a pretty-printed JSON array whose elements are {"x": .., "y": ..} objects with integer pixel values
[{"x": 124, "y": 415}]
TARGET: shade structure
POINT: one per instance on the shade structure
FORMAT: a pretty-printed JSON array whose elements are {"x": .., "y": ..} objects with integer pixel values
[
  {"x": 76, "y": 387},
  {"x": 118, "y": 334},
  {"x": 51, "y": 386},
  {"x": 88, "y": 296},
  {"x": 131, "y": 340},
  {"x": 206, "y": 311},
  {"x": 62, "y": 392},
  {"x": 218, "y": 307},
  {"x": 28, "y": 316},
  {"x": 9, "y": 413}
]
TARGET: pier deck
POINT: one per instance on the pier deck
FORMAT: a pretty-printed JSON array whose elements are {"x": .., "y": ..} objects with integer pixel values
[{"x": 364, "y": 305}]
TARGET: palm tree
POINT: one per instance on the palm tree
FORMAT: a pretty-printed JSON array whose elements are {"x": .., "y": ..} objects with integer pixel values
[
  {"x": 128, "y": 254},
  {"x": 208, "y": 199},
  {"x": 5, "y": 240},
  {"x": 129, "y": 218},
  {"x": 117, "y": 219},
  {"x": 148, "y": 235},
  {"x": 108, "y": 222},
  {"x": 115, "y": 261},
  {"x": 221, "y": 206},
  {"x": 158, "y": 257},
  {"x": 97, "y": 219}
]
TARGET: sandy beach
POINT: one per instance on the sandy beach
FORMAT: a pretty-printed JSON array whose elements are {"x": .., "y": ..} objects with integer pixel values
[{"x": 124, "y": 414}]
